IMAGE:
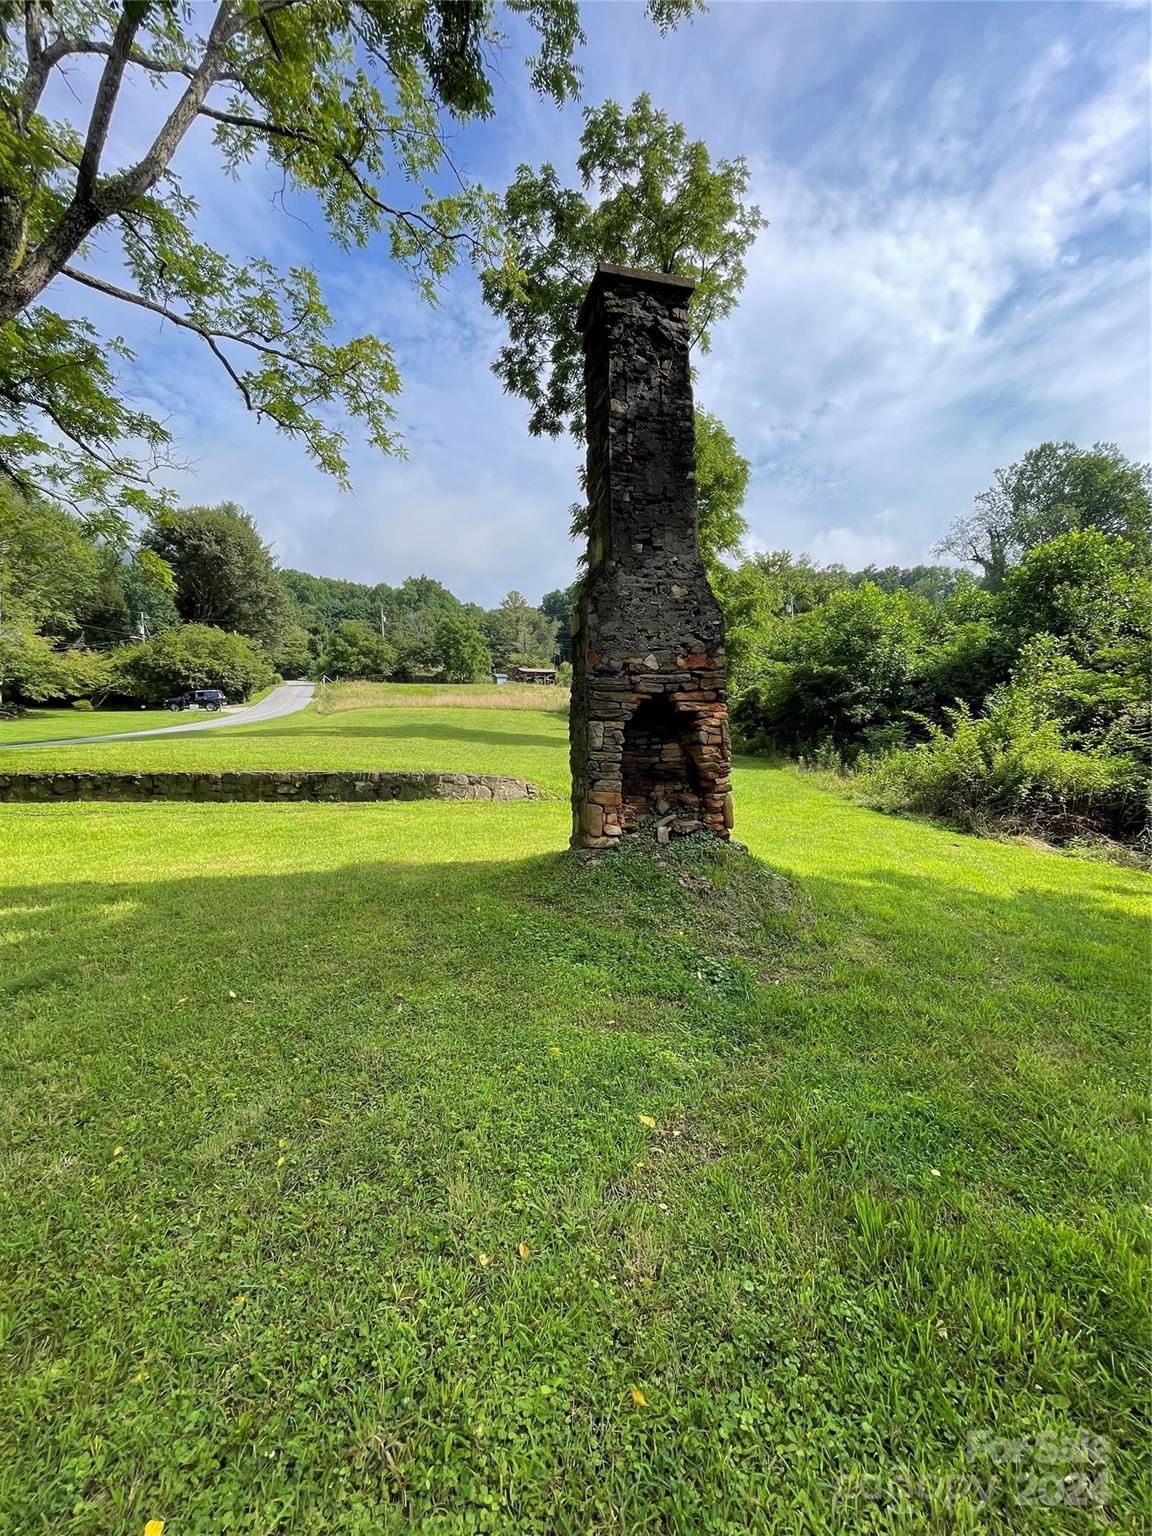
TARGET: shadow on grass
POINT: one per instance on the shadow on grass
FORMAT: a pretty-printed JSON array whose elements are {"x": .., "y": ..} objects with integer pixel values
[
  {"x": 407, "y": 731},
  {"x": 543, "y": 932},
  {"x": 870, "y": 954},
  {"x": 1001, "y": 1035},
  {"x": 263, "y": 1125}
]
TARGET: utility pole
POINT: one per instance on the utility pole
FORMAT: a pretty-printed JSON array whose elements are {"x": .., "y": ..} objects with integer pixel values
[
  {"x": 142, "y": 625},
  {"x": 381, "y": 621}
]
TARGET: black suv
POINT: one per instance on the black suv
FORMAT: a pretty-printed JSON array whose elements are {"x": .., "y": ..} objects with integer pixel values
[{"x": 197, "y": 698}]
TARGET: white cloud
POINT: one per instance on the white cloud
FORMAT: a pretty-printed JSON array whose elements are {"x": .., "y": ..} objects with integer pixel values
[
  {"x": 896, "y": 342},
  {"x": 854, "y": 548},
  {"x": 956, "y": 268}
]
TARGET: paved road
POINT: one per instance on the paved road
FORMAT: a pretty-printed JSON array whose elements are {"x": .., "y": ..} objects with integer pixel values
[{"x": 285, "y": 700}]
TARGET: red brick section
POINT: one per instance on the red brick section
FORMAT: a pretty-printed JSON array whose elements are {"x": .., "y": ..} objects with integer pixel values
[{"x": 649, "y": 721}]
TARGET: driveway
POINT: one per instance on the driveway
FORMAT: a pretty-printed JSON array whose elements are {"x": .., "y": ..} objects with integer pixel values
[{"x": 285, "y": 700}]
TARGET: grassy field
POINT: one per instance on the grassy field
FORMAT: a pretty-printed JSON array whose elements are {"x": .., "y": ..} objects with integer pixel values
[
  {"x": 41, "y": 724},
  {"x": 540, "y": 698},
  {"x": 476, "y": 739},
  {"x": 373, "y": 1169},
  {"x": 51, "y": 724}
]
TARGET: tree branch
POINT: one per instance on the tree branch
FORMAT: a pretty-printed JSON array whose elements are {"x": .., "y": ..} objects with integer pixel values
[
  {"x": 65, "y": 47},
  {"x": 106, "y": 94},
  {"x": 33, "y": 29},
  {"x": 37, "y": 71},
  {"x": 94, "y": 201},
  {"x": 210, "y": 335},
  {"x": 416, "y": 223},
  {"x": 124, "y": 189},
  {"x": 112, "y": 467}
]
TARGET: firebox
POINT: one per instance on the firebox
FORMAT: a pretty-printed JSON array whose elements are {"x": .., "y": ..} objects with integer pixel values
[{"x": 649, "y": 719}]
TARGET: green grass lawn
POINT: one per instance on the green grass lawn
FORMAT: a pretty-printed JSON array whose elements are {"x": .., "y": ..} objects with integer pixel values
[
  {"x": 41, "y": 724},
  {"x": 831, "y": 1160},
  {"x": 537, "y": 697},
  {"x": 529, "y": 744},
  {"x": 52, "y": 724}
]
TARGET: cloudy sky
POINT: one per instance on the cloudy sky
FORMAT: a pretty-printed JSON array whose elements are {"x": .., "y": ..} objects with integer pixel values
[{"x": 955, "y": 269}]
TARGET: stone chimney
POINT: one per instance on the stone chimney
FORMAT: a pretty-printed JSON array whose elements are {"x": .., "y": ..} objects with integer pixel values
[{"x": 649, "y": 720}]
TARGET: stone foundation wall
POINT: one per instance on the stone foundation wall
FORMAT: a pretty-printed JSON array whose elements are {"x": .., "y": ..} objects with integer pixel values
[{"x": 39, "y": 788}]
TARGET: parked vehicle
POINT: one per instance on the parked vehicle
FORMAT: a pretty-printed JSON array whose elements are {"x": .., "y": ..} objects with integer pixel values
[{"x": 197, "y": 698}]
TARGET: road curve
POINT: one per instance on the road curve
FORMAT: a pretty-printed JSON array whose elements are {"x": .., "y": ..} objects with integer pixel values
[{"x": 285, "y": 700}]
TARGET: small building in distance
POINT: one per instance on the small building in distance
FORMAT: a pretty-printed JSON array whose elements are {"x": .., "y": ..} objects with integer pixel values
[{"x": 535, "y": 674}]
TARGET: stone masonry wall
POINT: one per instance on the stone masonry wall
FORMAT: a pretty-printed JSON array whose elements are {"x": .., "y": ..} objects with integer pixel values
[
  {"x": 649, "y": 721},
  {"x": 279, "y": 785}
]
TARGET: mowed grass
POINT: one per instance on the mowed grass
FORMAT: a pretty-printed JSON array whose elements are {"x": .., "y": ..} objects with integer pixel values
[
  {"x": 474, "y": 739},
  {"x": 374, "y": 1168},
  {"x": 54, "y": 724}
]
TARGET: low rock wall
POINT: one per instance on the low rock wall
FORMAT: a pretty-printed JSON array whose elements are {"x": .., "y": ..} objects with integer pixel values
[{"x": 279, "y": 785}]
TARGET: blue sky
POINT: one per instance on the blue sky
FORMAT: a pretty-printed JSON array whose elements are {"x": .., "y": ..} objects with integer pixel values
[{"x": 956, "y": 268}]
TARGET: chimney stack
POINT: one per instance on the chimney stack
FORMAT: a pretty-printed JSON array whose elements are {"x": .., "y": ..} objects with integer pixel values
[{"x": 649, "y": 720}]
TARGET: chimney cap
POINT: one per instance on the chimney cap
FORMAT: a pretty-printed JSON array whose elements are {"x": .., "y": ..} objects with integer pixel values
[{"x": 607, "y": 274}]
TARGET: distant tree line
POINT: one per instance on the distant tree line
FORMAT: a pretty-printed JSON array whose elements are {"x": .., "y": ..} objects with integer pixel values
[
  {"x": 200, "y": 602},
  {"x": 416, "y": 630}
]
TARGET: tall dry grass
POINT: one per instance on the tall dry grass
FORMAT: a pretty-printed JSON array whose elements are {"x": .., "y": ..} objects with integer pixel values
[{"x": 333, "y": 698}]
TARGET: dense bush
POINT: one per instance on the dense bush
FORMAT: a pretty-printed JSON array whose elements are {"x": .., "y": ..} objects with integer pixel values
[
  {"x": 36, "y": 670},
  {"x": 1012, "y": 767},
  {"x": 191, "y": 656},
  {"x": 1027, "y": 705},
  {"x": 854, "y": 664},
  {"x": 355, "y": 649}
]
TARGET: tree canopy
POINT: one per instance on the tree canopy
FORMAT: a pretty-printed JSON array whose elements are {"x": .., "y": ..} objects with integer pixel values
[
  {"x": 1055, "y": 488},
  {"x": 355, "y": 649},
  {"x": 347, "y": 98},
  {"x": 224, "y": 573},
  {"x": 47, "y": 566},
  {"x": 650, "y": 197},
  {"x": 463, "y": 651}
]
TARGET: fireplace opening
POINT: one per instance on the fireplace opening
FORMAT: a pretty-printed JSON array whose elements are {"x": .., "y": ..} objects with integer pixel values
[{"x": 659, "y": 774}]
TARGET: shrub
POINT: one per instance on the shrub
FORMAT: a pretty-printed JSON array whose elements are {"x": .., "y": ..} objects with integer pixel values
[
  {"x": 32, "y": 670},
  {"x": 841, "y": 670},
  {"x": 191, "y": 656},
  {"x": 1013, "y": 768},
  {"x": 83, "y": 704}
]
